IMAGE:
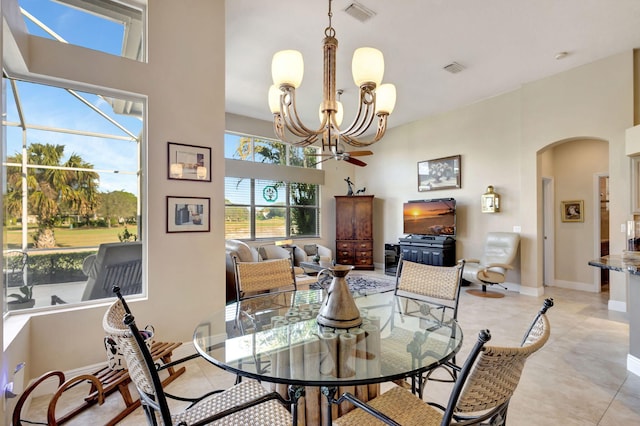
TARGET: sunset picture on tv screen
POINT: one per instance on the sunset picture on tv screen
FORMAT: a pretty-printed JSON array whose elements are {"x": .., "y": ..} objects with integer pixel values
[{"x": 429, "y": 218}]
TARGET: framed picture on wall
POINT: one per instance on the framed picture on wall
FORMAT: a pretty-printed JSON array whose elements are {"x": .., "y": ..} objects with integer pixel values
[
  {"x": 188, "y": 214},
  {"x": 572, "y": 211},
  {"x": 189, "y": 162},
  {"x": 440, "y": 173}
]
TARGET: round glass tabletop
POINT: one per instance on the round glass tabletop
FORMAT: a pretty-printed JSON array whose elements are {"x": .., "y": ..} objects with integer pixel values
[{"x": 276, "y": 338}]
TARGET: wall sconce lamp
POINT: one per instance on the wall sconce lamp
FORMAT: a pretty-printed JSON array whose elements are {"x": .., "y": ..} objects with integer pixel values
[{"x": 490, "y": 201}]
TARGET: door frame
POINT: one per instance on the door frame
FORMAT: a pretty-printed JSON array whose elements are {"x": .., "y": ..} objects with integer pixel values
[
  {"x": 597, "y": 285},
  {"x": 548, "y": 231}
]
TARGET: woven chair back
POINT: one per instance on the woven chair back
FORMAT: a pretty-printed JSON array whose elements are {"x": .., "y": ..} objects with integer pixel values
[
  {"x": 439, "y": 282},
  {"x": 255, "y": 277},
  {"x": 497, "y": 371},
  {"x": 113, "y": 324}
]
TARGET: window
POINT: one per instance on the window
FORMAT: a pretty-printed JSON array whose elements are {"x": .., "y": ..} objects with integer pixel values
[
  {"x": 109, "y": 26},
  {"x": 71, "y": 167},
  {"x": 261, "y": 150},
  {"x": 260, "y": 208},
  {"x": 277, "y": 198}
]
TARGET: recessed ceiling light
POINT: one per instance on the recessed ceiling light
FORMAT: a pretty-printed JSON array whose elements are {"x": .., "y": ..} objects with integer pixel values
[{"x": 561, "y": 55}]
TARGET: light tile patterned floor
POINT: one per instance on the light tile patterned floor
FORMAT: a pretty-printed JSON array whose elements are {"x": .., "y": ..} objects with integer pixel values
[{"x": 578, "y": 378}]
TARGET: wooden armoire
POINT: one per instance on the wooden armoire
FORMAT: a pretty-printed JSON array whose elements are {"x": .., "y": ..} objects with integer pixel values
[{"x": 354, "y": 231}]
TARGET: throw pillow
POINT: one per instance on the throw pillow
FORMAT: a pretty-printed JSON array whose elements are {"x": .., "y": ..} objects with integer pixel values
[{"x": 311, "y": 249}]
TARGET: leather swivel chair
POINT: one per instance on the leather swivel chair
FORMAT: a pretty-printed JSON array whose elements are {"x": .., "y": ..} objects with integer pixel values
[{"x": 500, "y": 249}]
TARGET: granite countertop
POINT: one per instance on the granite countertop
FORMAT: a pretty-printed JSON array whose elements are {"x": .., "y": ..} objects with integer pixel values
[{"x": 626, "y": 263}]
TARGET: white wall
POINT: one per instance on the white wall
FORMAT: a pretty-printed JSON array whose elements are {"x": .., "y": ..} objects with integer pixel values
[
  {"x": 184, "y": 82},
  {"x": 499, "y": 140}
]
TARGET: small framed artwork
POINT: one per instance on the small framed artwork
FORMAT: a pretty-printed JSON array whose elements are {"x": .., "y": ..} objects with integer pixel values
[
  {"x": 572, "y": 211},
  {"x": 188, "y": 214},
  {"x": 440, "y": 173},
  {"x": 189, "y": 162}
]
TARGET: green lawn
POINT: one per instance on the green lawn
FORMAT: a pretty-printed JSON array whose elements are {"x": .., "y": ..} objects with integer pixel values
[
  {"x": 264, "y": 228},
  {"x": 76, "y": 237}
]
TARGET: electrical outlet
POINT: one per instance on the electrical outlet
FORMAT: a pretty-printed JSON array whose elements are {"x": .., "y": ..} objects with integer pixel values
[
  {"x": 623, "y": 228},
  {"x": 517, "y": 228}
]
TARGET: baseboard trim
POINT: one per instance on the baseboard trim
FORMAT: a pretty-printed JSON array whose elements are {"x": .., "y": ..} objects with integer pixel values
[
  {"x": 532, "y": 291},
  {"x": 616, "y": 305},
  {"x": 633, "y": 364},
  {"x": 574, "y": 285}
]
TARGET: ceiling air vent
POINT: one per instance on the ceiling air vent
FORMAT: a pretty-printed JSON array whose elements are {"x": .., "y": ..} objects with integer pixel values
[
  {"x": 454, "y": 68},
  {"x": 359, "y": 12}
]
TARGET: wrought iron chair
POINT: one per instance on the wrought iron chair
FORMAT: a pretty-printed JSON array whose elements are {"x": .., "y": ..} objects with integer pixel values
[
  {"x": 269, "y": 276},
  {"x": 481, "y": 395},
  {"x": 244, "y": 403},
  {"x": 439, "y": 287}
]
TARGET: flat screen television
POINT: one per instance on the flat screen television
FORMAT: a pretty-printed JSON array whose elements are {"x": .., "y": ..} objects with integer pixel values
[{"x": 430, "y": 217}]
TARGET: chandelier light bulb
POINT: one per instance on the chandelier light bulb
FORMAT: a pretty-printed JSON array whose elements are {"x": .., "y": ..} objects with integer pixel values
[
  {"x": 367, "y": 66},
  {"x": 287, "y": 67},
  {"x": 385, "y": 98},
  {"x": 274, "y": 99}
]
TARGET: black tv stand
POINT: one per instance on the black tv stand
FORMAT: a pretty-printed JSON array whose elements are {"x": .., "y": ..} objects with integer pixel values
[{"x": 437, "y": 250}]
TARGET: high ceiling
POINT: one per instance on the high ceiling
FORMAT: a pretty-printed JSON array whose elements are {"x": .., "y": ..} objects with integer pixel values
[{"x": 501, "y": 43}]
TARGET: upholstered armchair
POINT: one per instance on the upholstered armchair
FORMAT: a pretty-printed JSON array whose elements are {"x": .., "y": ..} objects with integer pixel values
[
  {"x": 500, "y": 250},
  {"x": 308, "y": 252}
]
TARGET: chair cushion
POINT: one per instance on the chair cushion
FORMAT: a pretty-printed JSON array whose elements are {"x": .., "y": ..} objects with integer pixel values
[
  {"x": 398, "y": 404},
  {"x": 268, "y": 413},
  {"x": 310, "y": 249},
  {"x": 271, "y": 251}
]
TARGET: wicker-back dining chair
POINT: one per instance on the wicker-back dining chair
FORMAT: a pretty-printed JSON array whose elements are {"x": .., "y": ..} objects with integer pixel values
[
  {"x": 256, "y": 278},
  {"x": 481, "y": 395},
  {"x": 247, "y": 403},
  {"x": 439, "y": 287}
]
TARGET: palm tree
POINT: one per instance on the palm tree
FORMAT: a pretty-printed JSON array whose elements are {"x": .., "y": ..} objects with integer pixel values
[{"x": 50, "y": 190}]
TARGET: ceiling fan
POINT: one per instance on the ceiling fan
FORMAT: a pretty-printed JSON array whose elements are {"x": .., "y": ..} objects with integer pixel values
[{"x": 341, "y": 154}]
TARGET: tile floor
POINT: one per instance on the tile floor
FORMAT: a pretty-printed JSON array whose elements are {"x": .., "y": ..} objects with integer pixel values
[{"x": 578, "y": 378}]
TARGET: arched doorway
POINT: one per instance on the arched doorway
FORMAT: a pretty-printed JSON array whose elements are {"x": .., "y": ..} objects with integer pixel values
[{"x": 569, "y": 173}]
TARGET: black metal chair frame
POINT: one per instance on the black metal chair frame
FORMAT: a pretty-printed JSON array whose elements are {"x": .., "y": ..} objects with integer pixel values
[
  {"x": 427, "y": 307},
  {"x": 499, "y": 411},
  {"x": 160, "y": 403}
]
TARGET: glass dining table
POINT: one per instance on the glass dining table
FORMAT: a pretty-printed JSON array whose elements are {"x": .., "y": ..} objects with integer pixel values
[{"x": 275, "y": 339}]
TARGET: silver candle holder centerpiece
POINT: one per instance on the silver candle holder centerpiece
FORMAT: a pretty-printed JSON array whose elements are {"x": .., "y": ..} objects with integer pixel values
[{"x": 339, "y": 310}]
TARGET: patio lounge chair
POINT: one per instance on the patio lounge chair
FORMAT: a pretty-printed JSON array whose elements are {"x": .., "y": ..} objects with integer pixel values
[{"x": 115, "y": 264}]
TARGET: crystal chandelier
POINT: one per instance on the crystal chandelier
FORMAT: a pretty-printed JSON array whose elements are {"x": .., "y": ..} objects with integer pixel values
[{"x": 376, "y": 100}]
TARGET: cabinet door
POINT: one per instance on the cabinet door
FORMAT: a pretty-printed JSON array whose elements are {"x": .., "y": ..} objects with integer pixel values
[
  {"x": 344, "y": 218},
  {"x": 363, "y": 218}
]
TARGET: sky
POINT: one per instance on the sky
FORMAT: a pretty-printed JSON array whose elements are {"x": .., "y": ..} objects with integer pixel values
[{"x": 45, "y": 105}]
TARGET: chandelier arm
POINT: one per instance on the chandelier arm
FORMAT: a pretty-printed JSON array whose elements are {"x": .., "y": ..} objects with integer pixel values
[
  {"x": 365, "y": 114},
  {"x": 361, "y": 123},
  {"x": 279, "y": 129},
  {"x": 380, "y": 131},
  {"x": 291, "y": 118}
]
